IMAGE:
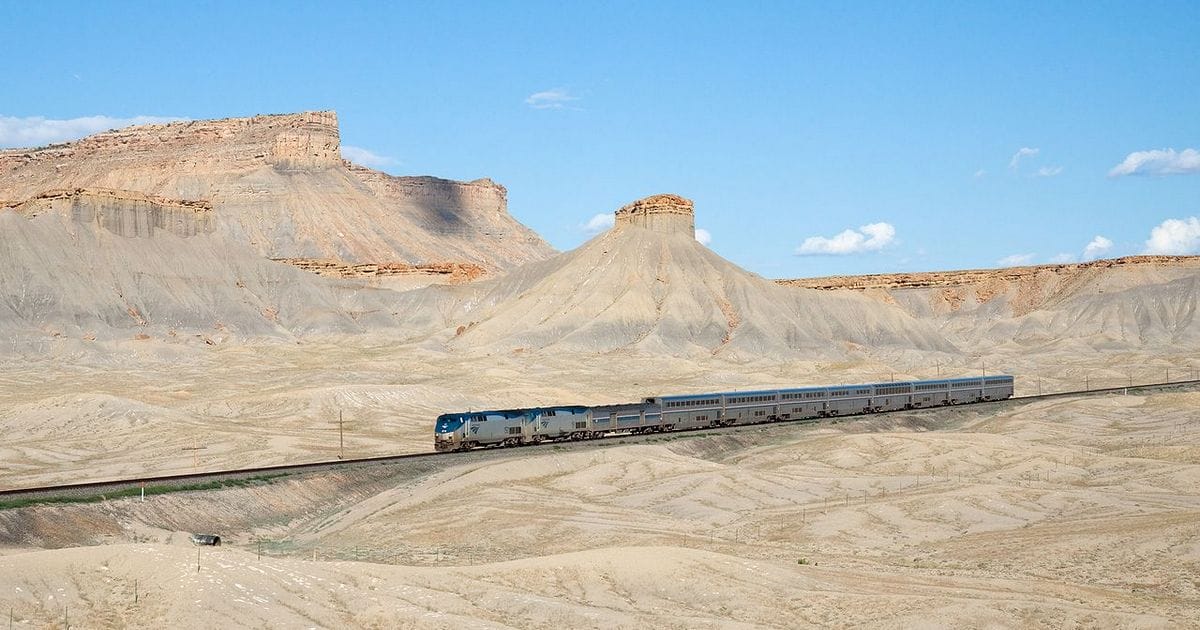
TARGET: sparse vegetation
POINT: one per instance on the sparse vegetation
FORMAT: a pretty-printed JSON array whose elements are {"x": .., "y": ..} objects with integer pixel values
[{"x": 257, "y": 480}]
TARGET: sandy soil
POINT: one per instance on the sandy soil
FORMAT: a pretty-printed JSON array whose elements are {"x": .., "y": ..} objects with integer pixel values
[
  {"x": 1076, "y": 512},
  {"x": 146, "y": 407}
]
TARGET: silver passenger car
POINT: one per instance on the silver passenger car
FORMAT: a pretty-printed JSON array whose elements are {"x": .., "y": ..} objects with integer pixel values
[{"x": 674, "y": 413}]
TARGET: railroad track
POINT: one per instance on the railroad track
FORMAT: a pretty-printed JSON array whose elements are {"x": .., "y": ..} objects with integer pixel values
[{"x": 99, "y": 490}]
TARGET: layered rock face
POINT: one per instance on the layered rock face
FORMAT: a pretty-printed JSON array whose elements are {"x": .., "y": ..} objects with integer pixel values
[
  {"x": 124, "y": 213},
  {"x": 110, "y": 265},
  {"x": 279, "y": 185},
  {"x": 667, "y": 214}
]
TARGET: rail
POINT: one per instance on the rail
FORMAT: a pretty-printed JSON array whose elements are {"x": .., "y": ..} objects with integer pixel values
[{"x": 197, "y": 480}]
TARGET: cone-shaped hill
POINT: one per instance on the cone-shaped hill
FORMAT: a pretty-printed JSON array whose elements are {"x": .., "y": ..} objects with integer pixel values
[{"x": 648, "y": 284}]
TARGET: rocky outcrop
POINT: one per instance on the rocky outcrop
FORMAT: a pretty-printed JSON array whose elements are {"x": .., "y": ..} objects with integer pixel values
[
  {"x": 278, "y": 184},
  {"x": 976, "y": 276},
  {"x": 452, "y": 272},
  {"x": 661, "y": 213},
  {"x": 308, "y": 140},
  {"x": 1012, "y": 291}
]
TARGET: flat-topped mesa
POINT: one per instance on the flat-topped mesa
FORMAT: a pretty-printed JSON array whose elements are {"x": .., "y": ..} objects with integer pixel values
[
  {"x": 279, "y": 184},
  {"x": 307, "y": 141},
  {"x": 668, "y": 214}
]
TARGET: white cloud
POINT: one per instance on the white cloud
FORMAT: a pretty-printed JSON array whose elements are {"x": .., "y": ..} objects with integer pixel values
[
  {"x": 556, "y": 98},
  {"x": 1098, "y": 246},
  {"x": 1060, "y": 259},
  {"x": 1158, "y": 162},
  {"x": 703, "y": 236},
  {"x": 1175, "y": 236},
  {"x": 600, "y": 223},
  {"x": 980, "y": 173},
  {"x": 1049, "y": 171},
  {"x": 365, "y": 157},
  {"x": 36, "y": 131},
  {"x": 1021, "y": 153},
  {"x": 868, "y": 238},
  {"x": 1016, "y": 260}
]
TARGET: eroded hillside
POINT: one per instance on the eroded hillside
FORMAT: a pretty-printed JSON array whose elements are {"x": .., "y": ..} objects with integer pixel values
[{"x": 279, "y": 185}]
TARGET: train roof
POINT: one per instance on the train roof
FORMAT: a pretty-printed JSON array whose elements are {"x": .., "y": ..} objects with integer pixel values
[
  {"x": 498, "y": 413},
  {"x": 689, "y": 396},
  {"x": 578, "y": 409},
  {"x": 513, "y": 413},
  {"x": 818, "y": 388}
]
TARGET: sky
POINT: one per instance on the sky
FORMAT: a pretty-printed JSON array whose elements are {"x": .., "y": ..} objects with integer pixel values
[{"x": 814, "y": 138}]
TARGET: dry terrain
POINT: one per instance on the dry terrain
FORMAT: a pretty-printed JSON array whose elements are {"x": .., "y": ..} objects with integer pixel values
[{"x": 1073, "y": 512}]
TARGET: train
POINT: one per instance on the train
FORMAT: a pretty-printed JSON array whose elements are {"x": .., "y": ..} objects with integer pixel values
[{"x": 517, "y": 427}]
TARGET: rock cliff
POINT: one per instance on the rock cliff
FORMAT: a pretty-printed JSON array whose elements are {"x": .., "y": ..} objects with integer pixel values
[
  {"x": 278, "y": 184},
  {"x": 667, "y": 214}
]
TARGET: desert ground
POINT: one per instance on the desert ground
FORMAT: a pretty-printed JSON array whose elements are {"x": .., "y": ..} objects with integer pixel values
[
  {"x": 147, "y": 407},
  {"x": 1080, "y": 512}
]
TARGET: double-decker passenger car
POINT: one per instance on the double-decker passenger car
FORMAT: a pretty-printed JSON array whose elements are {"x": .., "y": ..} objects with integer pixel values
[{"x": 513, "y": 427}]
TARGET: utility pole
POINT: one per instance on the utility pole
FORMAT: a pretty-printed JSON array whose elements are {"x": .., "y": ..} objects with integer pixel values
[{"x": 341, "y": 437}]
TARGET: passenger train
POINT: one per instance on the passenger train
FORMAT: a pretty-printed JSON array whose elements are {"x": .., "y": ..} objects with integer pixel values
[{"x": 514, "y": 427}]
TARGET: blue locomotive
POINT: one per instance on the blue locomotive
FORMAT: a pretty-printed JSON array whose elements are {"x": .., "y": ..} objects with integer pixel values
[{"x": 515, "y": 427}]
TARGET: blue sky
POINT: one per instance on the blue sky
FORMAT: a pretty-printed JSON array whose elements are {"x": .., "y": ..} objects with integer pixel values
[{"x": 814, "y": 138}]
